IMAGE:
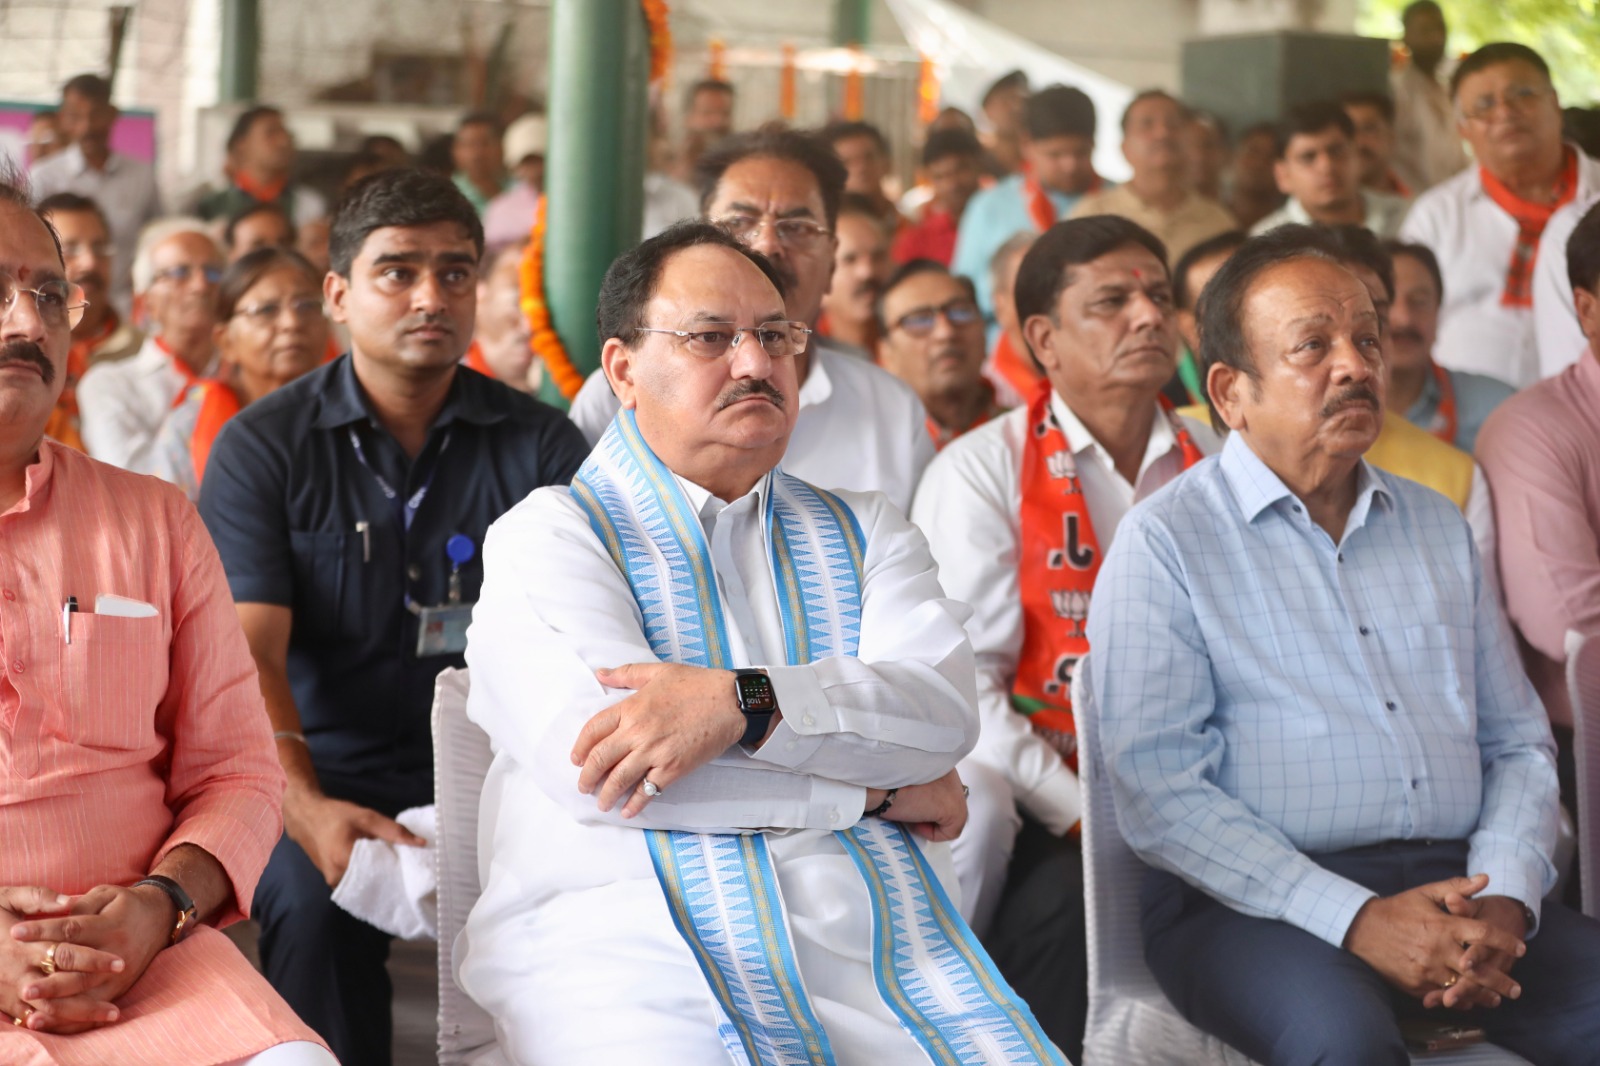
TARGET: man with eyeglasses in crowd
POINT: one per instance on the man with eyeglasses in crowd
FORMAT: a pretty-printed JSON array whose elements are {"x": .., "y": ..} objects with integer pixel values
[
  {"x": 138, "y": 797},
  {"x": 931, "y": 338},
  {"x": 349, "y": 508},
  {"x": 1484, "y": 225},
  {"x": 858, "y": 428},
  {"x": 700, "y": 844},
  {"x": 1019, "y": 513},
  {"x": 122, "y": 404},
  {"x": 101, "y": 336}
]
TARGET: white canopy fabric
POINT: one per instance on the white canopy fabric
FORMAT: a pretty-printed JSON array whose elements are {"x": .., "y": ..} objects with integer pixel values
[{"x": 971, "y": 52}]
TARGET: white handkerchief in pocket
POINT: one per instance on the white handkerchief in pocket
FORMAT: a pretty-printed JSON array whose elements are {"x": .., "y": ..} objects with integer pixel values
[{"x": 122, "y": 607}]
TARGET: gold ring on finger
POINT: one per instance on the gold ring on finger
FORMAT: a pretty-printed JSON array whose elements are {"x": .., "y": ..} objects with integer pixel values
[
  {"x": 49, "y": 963},
  {"x": 1452, "y": 982}
]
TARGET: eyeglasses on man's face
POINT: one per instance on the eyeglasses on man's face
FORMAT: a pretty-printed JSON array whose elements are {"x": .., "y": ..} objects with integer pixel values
[
  {"x": 796, "y": 233},
  {"x": 713, "y": 340},
  {"x": 305, "y": 309},
  {"x": 920, "y": 321},
  {"x": 1518, "y": 99},
  {"x": 180, "y": 274},
  {"x": 57, "y": 302}
]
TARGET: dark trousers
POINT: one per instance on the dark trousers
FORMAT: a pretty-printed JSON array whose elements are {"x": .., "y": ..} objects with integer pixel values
[
  {"x": 1038, "y": 940},
  {"x": 329, "y": 965},
  {"x": 1283, "y": 996}
]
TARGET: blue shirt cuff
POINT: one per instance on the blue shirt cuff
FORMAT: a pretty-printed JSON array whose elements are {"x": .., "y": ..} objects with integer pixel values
[{"x": 1324, "y": 904}]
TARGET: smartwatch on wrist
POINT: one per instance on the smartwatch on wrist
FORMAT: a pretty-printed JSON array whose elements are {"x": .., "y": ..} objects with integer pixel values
[
  {"x": 757, "y": 702},
  {"x": 180, "y": 899}
]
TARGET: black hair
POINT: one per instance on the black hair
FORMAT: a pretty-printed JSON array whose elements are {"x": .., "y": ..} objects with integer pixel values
[
  {"x": 906, "y": 271},
  {"x": 945, "y": 144},
  {"x": 1220, "y": 311},
  {"x": 71, "y": 202},
  {"x": 1494, "y": 54},
  {"x": 232, "y": 228},
  {"x": 479, "y": 118},
  {"x": 92, "y": 87},
  {"x": 1059, "y": 111},
  {"x": 1583, "y": 251},
  {"x": 1359, "y": 245},
  {"x": 1260, "y": 129},
  {"x": 14, "y": 191},
  {"x": 835, "y": 132},
  {"x": 1382, "y": 102},
  {"x": 774, "y": 142},
  {"x": 1151, "y": 94},
  {"x": 1422, "y": 254},
  {"x": 705, "y": 85},
  {"x": 1314, "y": 117},
  {"x": 1216, "y": 122},
  {"x": 1015, "y": 79},
  {"x": 403, "y": 196},
  {"x": 1047, "y": 268},
  {"x": 633, "y": 277},
  {"x": 246, "y": 122},
  {"x": 1417, "y": 7},
  {"x": 1228, "y": 242},
  {"x": 243, "y": 273}
]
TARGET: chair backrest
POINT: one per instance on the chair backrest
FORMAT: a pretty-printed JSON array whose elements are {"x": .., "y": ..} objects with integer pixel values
[
  {"x": 1583, "y": 685},
  {"x": 461, "y": 758}
]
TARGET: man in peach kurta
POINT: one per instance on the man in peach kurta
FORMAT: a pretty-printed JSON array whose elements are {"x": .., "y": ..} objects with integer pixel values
[{"x": 133, "y": 741}]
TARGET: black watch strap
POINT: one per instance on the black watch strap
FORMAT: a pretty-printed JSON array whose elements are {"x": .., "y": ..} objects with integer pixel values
[
  {"x": 757, "y": 702},
  {"x": 180, "y": 899}
]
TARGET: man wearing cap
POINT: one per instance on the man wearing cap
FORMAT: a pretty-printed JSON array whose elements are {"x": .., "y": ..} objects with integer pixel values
[
  {"x": 348, "y": 509},
  {"x": 509, "y": 216}
]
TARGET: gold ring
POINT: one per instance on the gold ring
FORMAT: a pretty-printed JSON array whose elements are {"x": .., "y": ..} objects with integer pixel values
[
  {"x": 49, "y": 963},
  {"x": 1452, "y": 982}
]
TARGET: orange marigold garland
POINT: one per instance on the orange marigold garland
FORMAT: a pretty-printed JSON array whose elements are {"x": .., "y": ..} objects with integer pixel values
[{"x": 545, "y": 340}]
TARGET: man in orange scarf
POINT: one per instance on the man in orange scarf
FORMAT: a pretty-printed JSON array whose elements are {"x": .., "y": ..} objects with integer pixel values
[
  {"x": 1484, "y": 224},
  {"x": 1018, "y": 513}
]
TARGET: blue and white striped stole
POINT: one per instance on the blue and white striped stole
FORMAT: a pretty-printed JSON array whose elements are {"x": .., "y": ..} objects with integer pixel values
[{"x": 722, "y": 889}]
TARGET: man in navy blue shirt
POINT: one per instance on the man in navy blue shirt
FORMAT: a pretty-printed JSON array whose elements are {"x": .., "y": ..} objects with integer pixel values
[{"x": 349, "y": 509}]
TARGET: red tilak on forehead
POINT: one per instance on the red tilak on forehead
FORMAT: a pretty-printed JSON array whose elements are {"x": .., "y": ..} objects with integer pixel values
[
  {"x": 1138, "y": 275},
  {"x": 22, "y": 273}
]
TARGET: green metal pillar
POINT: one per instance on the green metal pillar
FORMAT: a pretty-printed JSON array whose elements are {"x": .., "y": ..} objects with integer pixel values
[
  {"x": 241, "y": 51},
  {"x": 594, "y": 172},
  {"x": 852, "y": 22}
]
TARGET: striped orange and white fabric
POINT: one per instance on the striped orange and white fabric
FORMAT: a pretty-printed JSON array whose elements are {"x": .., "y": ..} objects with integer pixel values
[{"x": 123, "y": 737}]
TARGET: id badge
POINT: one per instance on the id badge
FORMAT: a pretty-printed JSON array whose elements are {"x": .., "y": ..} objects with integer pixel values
[{"x": 443, "y": 630}]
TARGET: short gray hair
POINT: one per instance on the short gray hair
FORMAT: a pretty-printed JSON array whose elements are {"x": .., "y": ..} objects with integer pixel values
[{"x": 158, "y": 233}]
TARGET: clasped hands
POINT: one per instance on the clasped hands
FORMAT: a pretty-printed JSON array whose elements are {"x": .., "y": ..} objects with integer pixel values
[
  {"x": 1444, "y": 943},
  {"x": 681, "y": 717},
  {"x": 97, "y": 944}
]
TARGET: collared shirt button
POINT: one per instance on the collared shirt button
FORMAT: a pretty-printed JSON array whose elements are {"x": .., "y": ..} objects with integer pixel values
[
  {"x": 1389, "y": 704},
  {"x": 1341, "y": 557},
  {"x": 1413, "y": 782},
  {"x": 10, "y": 595},
  {"x": 808, "y": 720},
  {"x": 833, "y": 817},
  {"x": 1295, "y": 507},
  {"x": 414, "y": 572},
  {"x": 1364, "y": 631},
  {"x": 17, "y": 667}
]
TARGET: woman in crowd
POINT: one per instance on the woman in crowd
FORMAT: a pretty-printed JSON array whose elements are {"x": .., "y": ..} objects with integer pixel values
[{"x": 271, "y": 329}]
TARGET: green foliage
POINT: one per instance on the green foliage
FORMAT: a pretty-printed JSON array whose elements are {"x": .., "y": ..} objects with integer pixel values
[{"x": 1565, "y": 32}]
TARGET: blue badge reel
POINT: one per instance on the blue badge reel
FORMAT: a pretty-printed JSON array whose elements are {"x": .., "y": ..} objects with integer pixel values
[{"x": 442, "y": 630}]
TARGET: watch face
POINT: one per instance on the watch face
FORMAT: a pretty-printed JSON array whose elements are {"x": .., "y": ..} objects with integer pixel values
[{"x": 755, "y": 694}]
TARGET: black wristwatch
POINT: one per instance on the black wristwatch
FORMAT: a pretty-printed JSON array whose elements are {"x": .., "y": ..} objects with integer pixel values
[
  {"x": 757, "y": 702},
  {"x": 180, "y": 899}
]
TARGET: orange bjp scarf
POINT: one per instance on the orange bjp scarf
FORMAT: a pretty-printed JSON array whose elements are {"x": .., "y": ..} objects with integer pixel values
[
  {"x": 1531, "y": 220},
  {"x": 1057, "y": 562}
]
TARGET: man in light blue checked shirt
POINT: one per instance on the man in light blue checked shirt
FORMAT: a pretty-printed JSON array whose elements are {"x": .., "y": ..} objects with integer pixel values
[{"x": 1318, "y": 731}]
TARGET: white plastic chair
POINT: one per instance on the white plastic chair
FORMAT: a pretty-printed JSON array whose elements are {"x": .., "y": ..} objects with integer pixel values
[
  {"x": 461, "y": 758},
  {"x": 1583, "y": 685},
  {"x": 1131, "y": 1022}
]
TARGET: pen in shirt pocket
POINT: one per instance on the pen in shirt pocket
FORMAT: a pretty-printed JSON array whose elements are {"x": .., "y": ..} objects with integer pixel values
[
  {"x": 68, "y": 609},
  {"x": 365, "y": 529}
]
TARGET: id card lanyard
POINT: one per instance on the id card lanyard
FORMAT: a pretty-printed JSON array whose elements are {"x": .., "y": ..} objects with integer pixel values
[{"x": 441, "y": 630}]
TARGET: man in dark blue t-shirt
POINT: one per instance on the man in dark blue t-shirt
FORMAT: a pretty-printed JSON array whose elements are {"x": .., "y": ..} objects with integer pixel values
[{"x": 349, "y": 509}]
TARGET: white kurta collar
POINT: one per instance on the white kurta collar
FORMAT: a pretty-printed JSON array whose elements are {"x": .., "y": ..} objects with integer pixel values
[{"x": 1082, "y": 442}]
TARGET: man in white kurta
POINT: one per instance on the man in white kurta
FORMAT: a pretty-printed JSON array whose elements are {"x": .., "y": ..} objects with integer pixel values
[
  {"x": 1508, "y": 111},
  {"x": 573, "y": 946},
  {"x": 859, "y": 428},
  {"x": 1096, "y": 305}
]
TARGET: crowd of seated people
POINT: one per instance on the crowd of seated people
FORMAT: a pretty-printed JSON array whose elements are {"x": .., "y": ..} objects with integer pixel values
[{"x": 1289, "y": 444}]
